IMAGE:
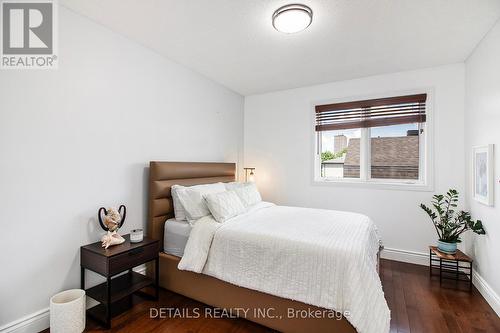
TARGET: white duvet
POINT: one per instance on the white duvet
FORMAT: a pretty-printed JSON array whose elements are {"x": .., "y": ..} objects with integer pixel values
[{"x": 320, "y": 257}]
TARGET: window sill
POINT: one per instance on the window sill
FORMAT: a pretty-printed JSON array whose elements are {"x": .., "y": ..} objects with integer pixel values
[{"x": 374, "y": 184}]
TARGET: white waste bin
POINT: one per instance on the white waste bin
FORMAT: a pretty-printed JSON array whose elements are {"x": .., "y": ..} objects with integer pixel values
[{"x": 67, "y": 312}]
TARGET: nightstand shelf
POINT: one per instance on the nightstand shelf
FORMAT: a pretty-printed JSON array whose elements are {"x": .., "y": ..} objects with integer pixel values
[
  {"x": 116, "y": 264},
  {"x": 121, "y": 287},
  {"x": 454, "y": 267}
]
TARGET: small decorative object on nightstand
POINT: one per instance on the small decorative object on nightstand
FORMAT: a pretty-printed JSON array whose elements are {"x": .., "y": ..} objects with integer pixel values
[
  {"x": 111, "y": 262},
  {"x": 112, "y": 221},
  {"x": 136, "y": 236},
  {"x": 450, "y": 266}
]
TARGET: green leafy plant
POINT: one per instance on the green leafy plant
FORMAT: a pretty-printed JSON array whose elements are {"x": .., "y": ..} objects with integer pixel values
[
  {"x": 328, "y": 155},
  {"x": 449, "y": 223}
]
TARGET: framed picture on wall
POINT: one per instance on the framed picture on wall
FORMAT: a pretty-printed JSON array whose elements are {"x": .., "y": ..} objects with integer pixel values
[{"x": 482, "y": 178}]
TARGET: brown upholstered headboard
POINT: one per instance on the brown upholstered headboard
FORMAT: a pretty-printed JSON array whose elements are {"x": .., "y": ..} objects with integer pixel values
[{"x": 162, "y": 175}]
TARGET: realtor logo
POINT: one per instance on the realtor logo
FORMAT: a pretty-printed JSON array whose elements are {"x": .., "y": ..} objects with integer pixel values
[{"x": 28, "y": 34}]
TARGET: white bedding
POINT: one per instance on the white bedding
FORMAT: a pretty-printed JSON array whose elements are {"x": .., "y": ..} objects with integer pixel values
[
  {"x": 175, "y": 236},
  {"x": 319, "y": 257}
]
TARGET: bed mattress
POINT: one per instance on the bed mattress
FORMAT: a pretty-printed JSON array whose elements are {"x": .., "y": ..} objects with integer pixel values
[
  {"x": 175, "y": 237},
  {"x": 320, "y": 257}
]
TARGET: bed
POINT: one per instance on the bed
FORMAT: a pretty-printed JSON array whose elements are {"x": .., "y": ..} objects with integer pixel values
[{"x": 209, "y": 289}]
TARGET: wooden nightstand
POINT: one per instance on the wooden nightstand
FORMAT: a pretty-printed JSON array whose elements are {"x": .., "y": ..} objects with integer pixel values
[
  {"x": 449, "y": 266},
  {"x": 113, "y": 261}
]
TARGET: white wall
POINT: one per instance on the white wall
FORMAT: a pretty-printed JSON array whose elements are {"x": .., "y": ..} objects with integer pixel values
[
  {"x": 278, "y": 142},
  {"x": 482, "y": 118},
  {"x": 81, "y": 137}
]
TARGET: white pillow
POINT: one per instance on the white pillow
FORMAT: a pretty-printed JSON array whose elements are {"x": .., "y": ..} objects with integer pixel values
[
  {"x": 191, "y": 199},
  {"x": 234, "y": 185},
  {"x": 224, "y": 205},
  {"x": 248, "y": 194},
  {"x": 180, "y": 214}
]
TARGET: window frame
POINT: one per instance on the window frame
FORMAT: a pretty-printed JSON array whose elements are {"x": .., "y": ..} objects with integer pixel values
[{"x": 426, "y": 149}]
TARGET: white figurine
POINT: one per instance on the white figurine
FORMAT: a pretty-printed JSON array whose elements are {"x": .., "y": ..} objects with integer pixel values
[
  {"x": 112, "y": 221},
  {"x": 111, "y": 238}
]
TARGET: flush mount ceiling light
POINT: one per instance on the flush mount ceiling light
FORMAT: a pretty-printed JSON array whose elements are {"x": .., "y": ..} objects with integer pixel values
[{"x": 292, "y": 18}]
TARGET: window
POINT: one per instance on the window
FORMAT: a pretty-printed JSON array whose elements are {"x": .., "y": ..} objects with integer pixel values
[
  {"x": 335, "y": 146},
  {"x": 379, "y": 140}
]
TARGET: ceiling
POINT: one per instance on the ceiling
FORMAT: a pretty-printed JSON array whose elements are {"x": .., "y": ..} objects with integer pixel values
[{"x": 233, "y": 42}]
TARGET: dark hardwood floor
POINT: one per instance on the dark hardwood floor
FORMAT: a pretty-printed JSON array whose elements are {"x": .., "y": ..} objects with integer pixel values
[{"x": 417, "y": 303}]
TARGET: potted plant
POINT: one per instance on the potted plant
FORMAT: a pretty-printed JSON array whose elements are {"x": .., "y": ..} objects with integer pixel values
[{"x": 449, "y": 223}]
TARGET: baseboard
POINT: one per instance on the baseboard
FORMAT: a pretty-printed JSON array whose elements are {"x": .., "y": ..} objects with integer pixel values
[
  {"x": 40, "y": 320},
  {"x": 411, "y": 257},
  {"x": 488, "y": 293},
  {"x": 140, "y": 269},
  {"x": 33, "y": 323}
]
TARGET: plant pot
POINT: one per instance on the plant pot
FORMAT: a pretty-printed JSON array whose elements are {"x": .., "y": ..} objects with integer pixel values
[
  {"x": 448, "y": 248},
  {"x": 67, "y": 312}
]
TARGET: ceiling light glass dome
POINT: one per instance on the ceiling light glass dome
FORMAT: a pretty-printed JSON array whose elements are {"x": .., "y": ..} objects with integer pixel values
[{"x": 292, "y": 18}]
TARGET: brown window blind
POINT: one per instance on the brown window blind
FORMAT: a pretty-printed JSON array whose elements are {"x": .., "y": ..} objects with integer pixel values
[{"x": 371, "y": 113}]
